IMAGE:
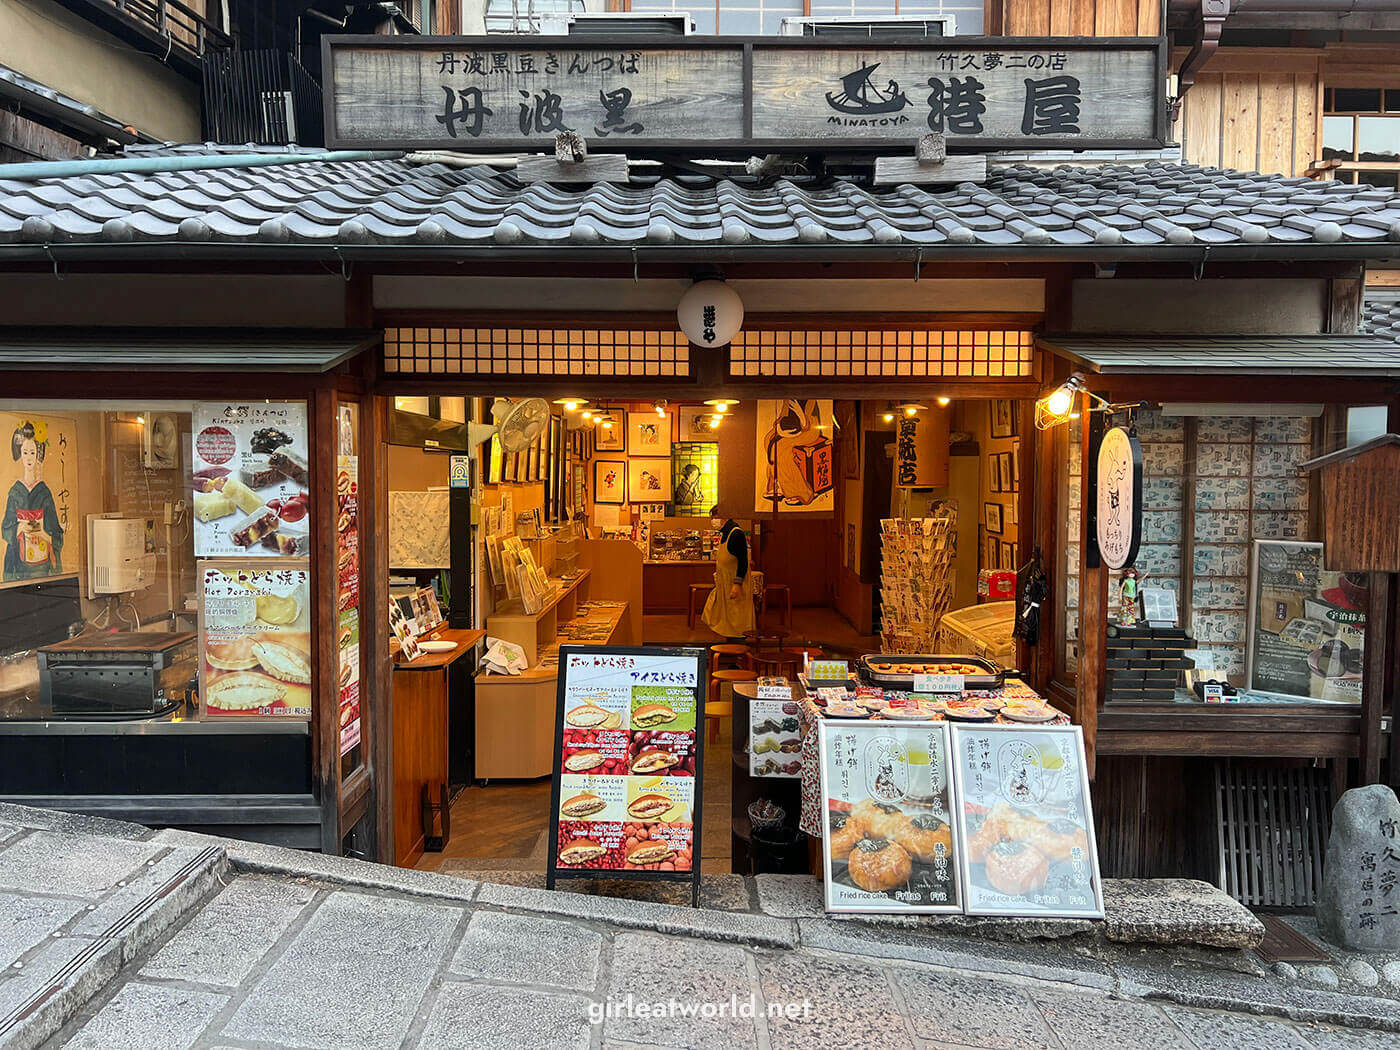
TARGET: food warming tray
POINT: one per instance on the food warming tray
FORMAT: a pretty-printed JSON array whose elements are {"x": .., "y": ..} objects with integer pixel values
[
  {"x": 991, "y": 676},
  {"x": 120, "y": 673}
]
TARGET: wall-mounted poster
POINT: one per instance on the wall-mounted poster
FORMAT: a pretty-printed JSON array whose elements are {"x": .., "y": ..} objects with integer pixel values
[
  {"x": 609, "y": 481},
  {"x": 693, "y": 423},
  {"x": 887, "y": 818},
  {"x": 794, "y": 457},
  {"x": 1024, "y": 821},
  {"x": 648, "y": 434},
  {"x": 251, "y": 479},
  {"x": 625, "y": 797},
  {"x": 255, "y": 641},
  {"x": 348, "y": 650},
  {"x": 648, "y": 480},
  {"x": 848, "y": 438},
  {"x": 613, "y": 438},
  {"x": 694, "y": 477},
  {"x": 39, "y": 477},
  {"x": 160, "y": 440},
  {"x": 1307, "y": 629}
]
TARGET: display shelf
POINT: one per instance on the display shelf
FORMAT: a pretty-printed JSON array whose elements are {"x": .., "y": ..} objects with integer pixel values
[{"x": 533, "y": 631}]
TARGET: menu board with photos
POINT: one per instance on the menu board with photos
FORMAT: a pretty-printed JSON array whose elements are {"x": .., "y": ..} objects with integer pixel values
[
  {"x": 887, "y": 818},
  {"x": 775, "y": 739},
  {"x": 255, "y": 639},
  {"x": 1025, "y": 826},
  {"x": 347, "y": 548},
  {"x": 251, "y": 479},
  {"x": 1307, "y": 634},
  {"x": 625, "y": 791}
]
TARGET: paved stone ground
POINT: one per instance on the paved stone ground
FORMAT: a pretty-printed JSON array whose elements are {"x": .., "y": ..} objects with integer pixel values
[{"x": 273, "y": 961}]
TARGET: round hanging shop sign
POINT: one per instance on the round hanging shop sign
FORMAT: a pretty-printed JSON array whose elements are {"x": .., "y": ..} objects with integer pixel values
[
  {"x": 710, "y": 313},
  {"x": 1119, "y": 498}
]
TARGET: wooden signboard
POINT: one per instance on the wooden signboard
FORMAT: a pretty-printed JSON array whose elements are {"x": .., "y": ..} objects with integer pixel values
[{"x": 734, "y": 95}]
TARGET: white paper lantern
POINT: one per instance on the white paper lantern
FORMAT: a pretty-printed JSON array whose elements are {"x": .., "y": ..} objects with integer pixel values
[{"x": 710, "y": 313}]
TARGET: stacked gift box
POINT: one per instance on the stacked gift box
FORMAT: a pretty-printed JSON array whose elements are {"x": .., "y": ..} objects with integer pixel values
[{"x": 1145, "y": 663}]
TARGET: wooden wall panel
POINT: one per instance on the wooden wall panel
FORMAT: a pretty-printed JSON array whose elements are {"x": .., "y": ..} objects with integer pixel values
[
  {"x": 1275, "y": 149},
  {"x": 1239, "y": 121},
  {"x": 1200, "y": 135},
  {"x": 1254, "y": 121},
  {"x": 1076, "y": 17}
]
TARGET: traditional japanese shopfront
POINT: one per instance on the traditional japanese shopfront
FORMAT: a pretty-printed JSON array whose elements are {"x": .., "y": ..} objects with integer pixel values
[{"x": 1226, "y": 301}]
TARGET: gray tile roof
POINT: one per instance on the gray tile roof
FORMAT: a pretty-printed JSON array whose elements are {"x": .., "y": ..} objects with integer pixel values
[
  {"x": 398, "y": 203},
  {"x": 1380, "y": 314},
  {"x": 1337, "y": 355},
  {"x": 179, "y": 350}
]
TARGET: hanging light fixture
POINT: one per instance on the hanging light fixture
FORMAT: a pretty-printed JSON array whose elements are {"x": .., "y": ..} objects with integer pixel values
[
  {"x": 888, "y": 416},
  {"x": 913, "y": 408},
  {"x": 660, "y": 406},
  {"x": 710, "y": 313},
  {"x": 1055, "y": 407},
  {"x": 721, "y": 404},
  {"x": 944, "y": 401},
  {"x": 572, "y": 404}
]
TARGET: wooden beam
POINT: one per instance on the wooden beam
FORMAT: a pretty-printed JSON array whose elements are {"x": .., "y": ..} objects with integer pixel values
[
  {"x": 325, "y": 722},
  {"x": 597, "y": 167},
  {"x": 1093, "y": 602},
  {"x": 957, "y": 168},
  {"x": 376, "y": 693},
  {"x": 1344, "y": 304}
]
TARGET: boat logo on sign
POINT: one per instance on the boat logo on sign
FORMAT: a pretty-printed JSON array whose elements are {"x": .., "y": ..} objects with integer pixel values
[{"x": 860, "y": 97}]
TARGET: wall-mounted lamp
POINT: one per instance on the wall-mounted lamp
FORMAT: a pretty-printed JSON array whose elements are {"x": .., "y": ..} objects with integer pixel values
[{"x": 1058, "y": 406}]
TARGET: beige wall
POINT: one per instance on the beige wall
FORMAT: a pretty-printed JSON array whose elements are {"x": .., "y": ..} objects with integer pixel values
[
  {"x": 1294, "y": 306},
  {"x": 49, "y": 44}
]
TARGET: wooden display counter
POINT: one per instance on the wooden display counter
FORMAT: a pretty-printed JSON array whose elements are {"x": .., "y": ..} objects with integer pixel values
[
  {"x": 515, "y": 713},
  {"x": 420, "y": 737},
  {"x": 666, "y": 584}
]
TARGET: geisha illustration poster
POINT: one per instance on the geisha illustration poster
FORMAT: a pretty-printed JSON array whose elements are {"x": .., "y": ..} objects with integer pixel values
[
  {"x": 794, "y": 457},
  {"x": 40, "y": 478}
]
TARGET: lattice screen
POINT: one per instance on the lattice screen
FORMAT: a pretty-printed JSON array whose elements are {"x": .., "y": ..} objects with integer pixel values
[
  {"x": 536, "y": 352},
  {"x": 860, "y": 353}
]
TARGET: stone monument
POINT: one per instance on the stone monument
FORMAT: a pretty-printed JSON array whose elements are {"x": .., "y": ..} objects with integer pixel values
[{"x": 1359, "y": 907}]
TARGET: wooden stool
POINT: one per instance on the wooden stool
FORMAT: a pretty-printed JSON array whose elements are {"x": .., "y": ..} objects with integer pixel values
[
  {"x": 765, "y": 639},
  {"x": 728, "y": 656},
  {"x": 784, "y": 592},
  {"x": 716, "y": 707},
  {"x": 775, "y": 662},
  {"x": 696, "y": 588}
]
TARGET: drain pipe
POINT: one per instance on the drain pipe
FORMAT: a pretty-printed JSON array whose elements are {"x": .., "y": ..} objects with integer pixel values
[{"x": 58, "y": 169}]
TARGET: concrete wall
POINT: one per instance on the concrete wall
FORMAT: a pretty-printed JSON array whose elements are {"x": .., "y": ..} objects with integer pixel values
[
  {"x": 1215, "y": 307},
  {"x": 57, "y": 48},
  {"x": 190, "y": 299}
]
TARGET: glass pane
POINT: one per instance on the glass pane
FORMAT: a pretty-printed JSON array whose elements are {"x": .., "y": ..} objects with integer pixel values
[
  {"x": 1356, "y": 100},
  {"x": 1337, "y": 138},
  {"x": 1390, "y": 179},
  {"x": 1392, "y": 100},
  {"x": 1378, "y": 139}
]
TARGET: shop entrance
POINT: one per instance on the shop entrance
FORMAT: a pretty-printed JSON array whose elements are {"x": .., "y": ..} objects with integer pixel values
[{"x": 611, "y": 525}]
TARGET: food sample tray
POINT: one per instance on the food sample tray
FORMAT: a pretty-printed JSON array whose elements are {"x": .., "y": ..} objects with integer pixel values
[{"x": 898, "y": 671}]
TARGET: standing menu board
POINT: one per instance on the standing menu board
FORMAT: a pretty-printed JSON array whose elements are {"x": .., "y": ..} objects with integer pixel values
[
  {"x": 628, "y": 753},
  {"x": 887, "y": 818},
  {"x": 1307, "y": 626},
  {"x": 1024, "y": 822}
]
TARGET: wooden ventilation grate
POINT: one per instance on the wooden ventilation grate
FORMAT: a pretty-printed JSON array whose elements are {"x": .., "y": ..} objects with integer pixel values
[
  {"x": 540, "y": 352},
  {"x": 861, "y": 354},
  {"x": 1272, "y": 826}
]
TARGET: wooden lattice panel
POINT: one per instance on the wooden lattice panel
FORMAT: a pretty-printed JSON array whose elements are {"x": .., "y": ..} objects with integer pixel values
[
  {"x": 859, "y": 354},
  {"x": 536, "y": 352}
]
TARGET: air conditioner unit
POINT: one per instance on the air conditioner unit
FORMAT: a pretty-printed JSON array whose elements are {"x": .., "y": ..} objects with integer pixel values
[
  {"x": 895, "y": 26},
  {"x": 617, "y": 23},
  {"x": 118, "y": 561}
]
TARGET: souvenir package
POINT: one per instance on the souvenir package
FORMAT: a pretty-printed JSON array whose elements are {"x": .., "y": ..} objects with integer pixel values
[{"x": 916, "y": 577}]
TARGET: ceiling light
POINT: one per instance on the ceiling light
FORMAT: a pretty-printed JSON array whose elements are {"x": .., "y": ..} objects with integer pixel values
[
  {"x": 913, "y": 408},
  {"x": 587, "y": 414},
  {"x": 888, "y": 417},
  {"x": 571, "y": 404},
  {"x": 660, "y": 407},
  {"x": 606, "y": 422},
  {"x": 721, "y": 404},
  {"x": 944, "y": 402}
]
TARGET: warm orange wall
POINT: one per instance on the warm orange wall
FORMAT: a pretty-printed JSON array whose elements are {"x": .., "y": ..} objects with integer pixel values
[{"x": 1074, "y": 17}]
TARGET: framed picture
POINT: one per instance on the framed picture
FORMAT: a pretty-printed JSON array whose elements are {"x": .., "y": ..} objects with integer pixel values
[
  {"x": 494, "y": 462},
  {"x": 994, "y": 473},
  {"x": 693, "y": 423},
  {"x": 1008, "y": 481},
  {"x": 991, "y": 553},
  {"x": 614, "y": 438},
  {"x": 1003, "y": 418},
  {"x": 1008, "y": 556},
  {"x": 992, "y": 513},
  {"x": 648, "y": 480},
  {"x": 532, "y": 456},
  {"x": 848, "y": 438},
  {"x": 1015, "y": 464},
  {"x": 509, "y": 462},
  {"x": 694, "y": 477},
  {"x": 609, "y": 481},
  {"x": 648, "y": 434}
]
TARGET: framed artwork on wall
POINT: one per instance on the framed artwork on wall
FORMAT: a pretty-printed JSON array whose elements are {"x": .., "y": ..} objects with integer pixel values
[
  {"x": 693, "y": 423},
  {"x": 609, "y": 481},
  {"x": 1003, "y": 422},
  {"x": 1008, "y": 479},
  {"x": 992, "y": 512},
  {"x": 613, "y": 438},
  {"x": 648, "y": 480},
  {"x": 648, "y": 434}
]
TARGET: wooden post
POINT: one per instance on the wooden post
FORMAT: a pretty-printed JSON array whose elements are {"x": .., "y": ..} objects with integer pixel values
[
  {"x": 325, "y": 707},
  {"x": 1093, "y": 592},
  {"x": 1373, "y": 680}
]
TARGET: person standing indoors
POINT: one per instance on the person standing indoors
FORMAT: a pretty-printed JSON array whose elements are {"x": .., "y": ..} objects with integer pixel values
[{"x": 729, "y": 610}]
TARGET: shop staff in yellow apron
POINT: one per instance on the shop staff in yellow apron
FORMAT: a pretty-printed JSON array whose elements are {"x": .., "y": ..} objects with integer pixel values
[{"x": 729, "y": 612}]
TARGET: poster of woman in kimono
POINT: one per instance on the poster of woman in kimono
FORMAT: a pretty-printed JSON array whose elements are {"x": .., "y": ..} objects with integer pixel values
[
  {"x": 794, "y": 468},
  {"x": 35, "y": 521}
]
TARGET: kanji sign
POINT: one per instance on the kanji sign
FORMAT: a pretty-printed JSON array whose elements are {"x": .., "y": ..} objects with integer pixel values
[{"x": 738, "y": 94}]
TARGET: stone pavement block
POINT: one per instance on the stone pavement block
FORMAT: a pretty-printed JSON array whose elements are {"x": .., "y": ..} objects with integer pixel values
[
  {"x": 653, "y": 969},
  {"x": 790, "y": 896},
  {"x": 1349, "y": 1039},
  {"x": 8, "y": 831},
  {"x": 347, "y": 871},
  {"x": 1177, "y": 911},
  {"x": 52, "y": 1000},
  {"x": 475, "y": 1017},
  {"x": 152, "y": 1017},
  {"x": 50, "y": 862},
  {"x": 72, "y": 823},
  {"x": 664, "y": 918},
  {"x": 26, "y": 921},
  {"x": 1090, "y": 1022},
  {"x": 850, "y": 1004},
  {"x": 352, "y": 977},
  {"x": 224, "y": 941},
  {"x": 525, "y": 949},
  {"x": 1217, "y": 1031},
  {"x": 953, "y": 1008}
]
